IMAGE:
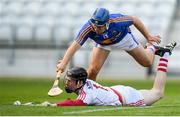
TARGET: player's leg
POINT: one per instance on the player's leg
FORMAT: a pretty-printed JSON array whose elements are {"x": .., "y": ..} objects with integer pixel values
[
  {"x": 98, "y": 58},
  {"x": 157, "y": 92},
  {"x": 145, "y": 57}
]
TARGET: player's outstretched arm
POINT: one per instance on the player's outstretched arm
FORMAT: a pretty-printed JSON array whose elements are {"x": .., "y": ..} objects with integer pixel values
[
  {"x": 61, "y": 66},
  {"x": 71, "y": 103},
  {"x": 140, "y": 26}
]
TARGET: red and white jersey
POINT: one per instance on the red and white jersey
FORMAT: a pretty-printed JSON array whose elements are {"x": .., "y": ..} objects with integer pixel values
[{"x": 93, "y": 93}]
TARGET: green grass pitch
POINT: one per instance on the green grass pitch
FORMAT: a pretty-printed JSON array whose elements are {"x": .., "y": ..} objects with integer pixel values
[{"x": 35, "y": 90}]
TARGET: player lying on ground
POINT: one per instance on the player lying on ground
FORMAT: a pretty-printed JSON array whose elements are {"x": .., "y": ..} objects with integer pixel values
[
  {"x": 91, "y": 93},
  {"x": 109, "y": 31}
]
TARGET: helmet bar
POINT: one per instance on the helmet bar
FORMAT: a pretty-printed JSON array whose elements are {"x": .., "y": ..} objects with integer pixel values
[{"x": 98, "y": 23}]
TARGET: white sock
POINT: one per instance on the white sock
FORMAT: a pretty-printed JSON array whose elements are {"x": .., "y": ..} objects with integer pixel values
[
  {"x": 166, "y": 55},
  {"x": 151, "y": 47}
]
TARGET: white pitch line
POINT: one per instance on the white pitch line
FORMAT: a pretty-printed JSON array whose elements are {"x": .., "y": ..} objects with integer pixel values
[
  {"x": 104, "y": 109},
  {"x": 108, "y": 109}
]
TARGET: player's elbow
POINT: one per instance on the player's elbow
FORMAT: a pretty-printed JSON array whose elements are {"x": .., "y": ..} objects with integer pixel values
[{"x": 134, "y": 19}]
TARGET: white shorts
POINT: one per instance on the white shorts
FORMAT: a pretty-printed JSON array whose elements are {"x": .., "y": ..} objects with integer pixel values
[
  {"x": 131, "y": 96},
  {"x": 128, "y": 43}
]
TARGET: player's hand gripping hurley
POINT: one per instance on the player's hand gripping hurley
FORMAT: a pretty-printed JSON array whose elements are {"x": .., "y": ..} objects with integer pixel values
[{"x": 55, "y": 90}]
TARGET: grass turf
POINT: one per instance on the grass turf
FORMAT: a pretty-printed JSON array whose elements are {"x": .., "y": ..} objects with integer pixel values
[{"x": 35, "y": 90}]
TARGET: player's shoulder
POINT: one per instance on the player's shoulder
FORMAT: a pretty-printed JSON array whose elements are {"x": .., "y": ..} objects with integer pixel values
[
  {"x": 87, "y": 89},
  {"x": 117, "y": 15},
  {"x": 88, "y": 86},
  {"x": 119, "y": 18},
  {"x": 86, "y": 26}
]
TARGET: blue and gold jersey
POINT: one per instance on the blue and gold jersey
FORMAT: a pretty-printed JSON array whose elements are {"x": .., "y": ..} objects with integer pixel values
[{"x": 118, "y": 28}]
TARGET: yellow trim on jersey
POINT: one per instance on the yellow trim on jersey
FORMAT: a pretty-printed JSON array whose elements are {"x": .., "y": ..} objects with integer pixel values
[
  {"x": 84, "y": 33},
  {"x": 120, "y": 19}
]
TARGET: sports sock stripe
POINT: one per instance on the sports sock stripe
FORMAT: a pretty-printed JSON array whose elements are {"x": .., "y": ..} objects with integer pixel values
[
  {"x": 162, "y": 64},
  {"x": 163, "y": 59},
  {"x": 161, "y": 69}
]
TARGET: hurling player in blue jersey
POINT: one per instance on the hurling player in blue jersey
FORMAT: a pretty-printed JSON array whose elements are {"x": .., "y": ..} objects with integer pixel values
[{"x": 110, "y": 31}]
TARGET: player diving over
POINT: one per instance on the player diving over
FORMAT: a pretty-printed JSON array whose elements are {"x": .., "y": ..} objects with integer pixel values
[
  {"x": 109, "y": 31},
  {"x": 91, "y": 93}
]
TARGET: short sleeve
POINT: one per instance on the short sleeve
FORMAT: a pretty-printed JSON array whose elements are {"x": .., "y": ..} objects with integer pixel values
[
  {"x": 123, "y": 20},
  {"x": 83, "y": 34}
]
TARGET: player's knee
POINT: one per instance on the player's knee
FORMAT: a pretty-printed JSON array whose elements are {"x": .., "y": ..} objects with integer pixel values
[
  {"x": 147, "y": 63},
  {"x": 92, "y": 73},
  {"x": 159, "y": 93}
]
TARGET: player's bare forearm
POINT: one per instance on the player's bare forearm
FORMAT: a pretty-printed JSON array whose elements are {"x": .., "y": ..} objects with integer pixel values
[
  {"x": 140, "y": 26},
  {"x": 70, "y": 52}
]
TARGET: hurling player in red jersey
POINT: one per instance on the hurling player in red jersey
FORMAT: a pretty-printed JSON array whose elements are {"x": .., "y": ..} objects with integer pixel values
[{"x": 90, "y": 93}]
